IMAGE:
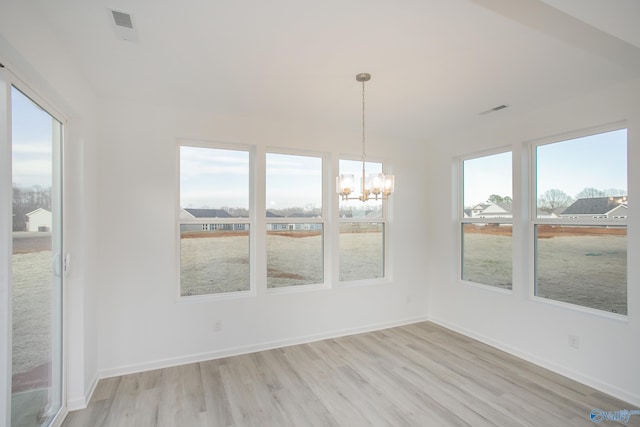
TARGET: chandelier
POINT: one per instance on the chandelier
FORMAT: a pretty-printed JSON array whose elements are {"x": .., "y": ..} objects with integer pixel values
[{"x": 378, "y": 185}]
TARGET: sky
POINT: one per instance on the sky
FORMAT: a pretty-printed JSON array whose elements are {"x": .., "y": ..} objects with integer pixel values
[
  {"x": 213, "y": 178},
  {"x": 291, "y": 180},
  {"x": 31, "y": 142},
  {"x": 596, "y": 161}
]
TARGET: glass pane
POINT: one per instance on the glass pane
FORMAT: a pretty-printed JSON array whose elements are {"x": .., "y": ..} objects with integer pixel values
[
  {"x": 585, "y": 266},
  {"x": 487, "y": 255},
  {"x": 214, "y": 183},
  {"x": 361, "y": 251},
  {"x": 487, "y": 187},
  {"x": 355, "y": 208},
  {"x": 294, "y": 254},
  {"x": 214, "y": 258},
  {"x": 36, "y": 382},
  {"x": 294, "y": 186},
  {"x": 583, "y": 177}
]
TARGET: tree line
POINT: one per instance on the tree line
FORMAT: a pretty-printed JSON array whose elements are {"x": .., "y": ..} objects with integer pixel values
[
  {"x": 28, "y": 199},
  {"x": 554, "y": 199}
]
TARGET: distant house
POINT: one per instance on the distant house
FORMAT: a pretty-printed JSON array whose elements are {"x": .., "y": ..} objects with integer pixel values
[
  {"x": 496, "y": 210},
  {"x": 597, "y": 207},
  {"x": 546, "y": 213},
  {"x": 38, "y": 220},
  {"x": 492, "y": 210},
  {"x": 277, "y": 226},
  {"x": 190, "y": 213},
  {"x": 477, "y": 209}
]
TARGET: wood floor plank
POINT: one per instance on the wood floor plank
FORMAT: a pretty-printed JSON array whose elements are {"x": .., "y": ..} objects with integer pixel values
[
  {"x": 298, "y": 401},
  {"x": 415, "y": 375},
  {"x": 218, "y": 410}
]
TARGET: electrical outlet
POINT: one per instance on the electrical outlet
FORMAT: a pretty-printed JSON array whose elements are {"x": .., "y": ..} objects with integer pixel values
[
  {"x": 574, "y": 341},
  {"x": 217, "y": 326}
]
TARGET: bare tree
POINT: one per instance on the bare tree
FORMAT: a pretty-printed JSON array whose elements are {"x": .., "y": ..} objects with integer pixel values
[
  {"x": 614, "y": 192},
  {"x": 28, "y": 199},
  {"x": 589, "y": 193},
  {"x": 553, "y": 199}
]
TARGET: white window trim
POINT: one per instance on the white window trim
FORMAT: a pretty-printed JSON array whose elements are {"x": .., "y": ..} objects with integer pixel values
[
  {"x": 251, "y": 220},
  {"x": 326, "y": 229},
  {"x": 461, "y": 220},
  {"x": 534, "y": 220}
]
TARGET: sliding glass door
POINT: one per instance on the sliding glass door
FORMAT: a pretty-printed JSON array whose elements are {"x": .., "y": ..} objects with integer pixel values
[{"x": 33, "y": 287}]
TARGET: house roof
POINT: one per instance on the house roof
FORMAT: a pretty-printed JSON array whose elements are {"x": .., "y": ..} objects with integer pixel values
[
  {"x": 481, "y": 206},
  {"x": 37, "y": 210},
  {"x": 208, "y": 213},
  {"x": 594, "y": 205},
  {"x": 303, "y": 215},
  {"x": 497, "y": 208},
  {"x": 543, "y": 212},
  {"x": 506, "y": 206}
]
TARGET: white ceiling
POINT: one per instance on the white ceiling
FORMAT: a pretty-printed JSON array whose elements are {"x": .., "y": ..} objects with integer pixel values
[{"x": 435, "y": 63}]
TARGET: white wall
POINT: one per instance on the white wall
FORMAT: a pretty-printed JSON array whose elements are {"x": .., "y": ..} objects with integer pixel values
[
  {"x": 609, "y": 349},
  {"x": 142, "y": 325},
  {"x": 30, "y": 50}
]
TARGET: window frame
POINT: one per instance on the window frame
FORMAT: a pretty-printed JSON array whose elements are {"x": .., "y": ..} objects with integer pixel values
[
  {"x": 250, "y": 220},
  {"x": 385, "y": 220},
  {"x": 461, "y": 220},
  {"x": 326, "y": 235},
  {"x": 534, "y": 221}
]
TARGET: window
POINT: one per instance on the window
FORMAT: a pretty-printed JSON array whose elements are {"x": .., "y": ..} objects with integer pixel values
[
  {"x": 214, "y": 220},
  {"x": 362, "y": 229},
  {"x": 295, "y": 220},
  {"x": 580, "y": 221},
  {"x": 486, "y": 220}
]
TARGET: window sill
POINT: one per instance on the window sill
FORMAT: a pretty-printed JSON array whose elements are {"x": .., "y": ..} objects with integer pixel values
[{"x": 622, "y": 318}]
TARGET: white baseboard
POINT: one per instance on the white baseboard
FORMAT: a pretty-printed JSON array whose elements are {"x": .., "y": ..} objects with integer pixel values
[
  {"x": 82, "y": 402},
  {"x": 631, "y": 398},
  {"x": 236, "y": 351}
]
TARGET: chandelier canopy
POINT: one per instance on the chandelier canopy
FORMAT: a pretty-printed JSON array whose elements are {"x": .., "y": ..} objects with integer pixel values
[{"x": 377, "y": 185}]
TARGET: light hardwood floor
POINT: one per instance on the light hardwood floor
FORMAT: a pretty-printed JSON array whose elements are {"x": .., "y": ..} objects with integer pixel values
[{"x": 415, "y": 375}]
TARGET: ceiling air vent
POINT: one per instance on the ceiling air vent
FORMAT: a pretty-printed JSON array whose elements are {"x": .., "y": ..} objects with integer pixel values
[
  {"x": 122, "y": 19},
  {"x": 494, "y": 109},
  {"x": 123, "y": 23}
]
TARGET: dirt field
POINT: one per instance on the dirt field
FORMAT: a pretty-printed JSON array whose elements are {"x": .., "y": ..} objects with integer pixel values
[
  {"x": 31, "y": 313},
  {"x": 579, "y": 265},
  {"x": 27, "y": 242},
  {"x": 219, "y": 262}
]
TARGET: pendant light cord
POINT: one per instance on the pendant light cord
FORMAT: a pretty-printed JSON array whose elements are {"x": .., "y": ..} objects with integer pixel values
[{"x": 363, "y": 151}]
